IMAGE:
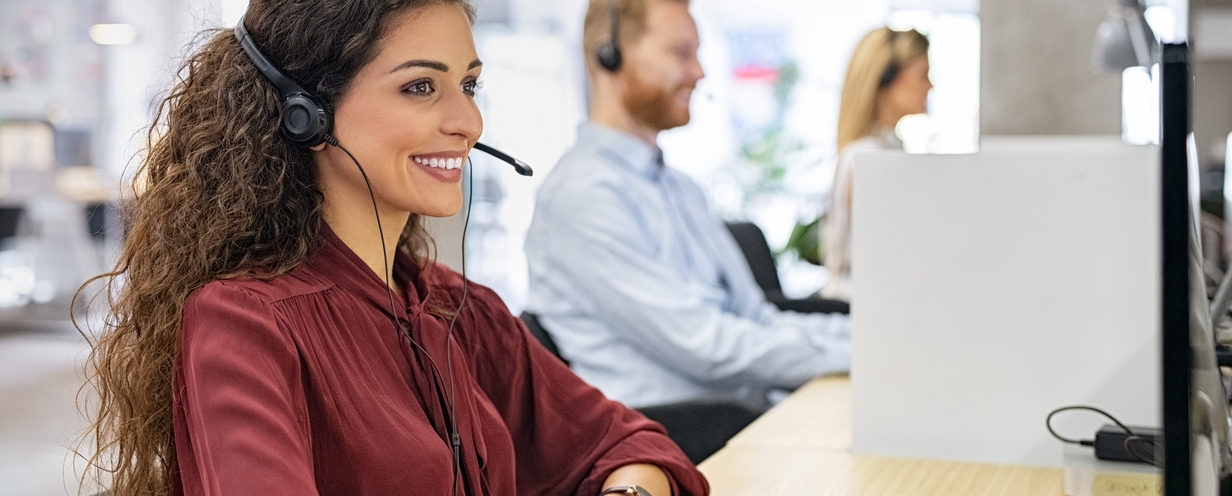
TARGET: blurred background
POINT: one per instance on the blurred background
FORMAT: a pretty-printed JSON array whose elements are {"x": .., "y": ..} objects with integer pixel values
[{"x": 80, "y": 79}]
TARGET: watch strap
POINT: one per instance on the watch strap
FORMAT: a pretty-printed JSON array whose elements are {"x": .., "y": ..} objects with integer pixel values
[{"x": 626, "y": 490}]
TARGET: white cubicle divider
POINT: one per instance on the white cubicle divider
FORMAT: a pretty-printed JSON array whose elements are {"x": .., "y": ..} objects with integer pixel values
[{"x": 994, "y": 287}]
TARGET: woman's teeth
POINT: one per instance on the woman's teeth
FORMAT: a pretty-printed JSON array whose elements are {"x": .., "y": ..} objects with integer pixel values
[{"x": 440, "y": 163}]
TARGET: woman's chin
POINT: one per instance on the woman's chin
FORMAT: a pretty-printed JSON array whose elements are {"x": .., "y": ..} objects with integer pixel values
[{"x": 443, "y": 209}]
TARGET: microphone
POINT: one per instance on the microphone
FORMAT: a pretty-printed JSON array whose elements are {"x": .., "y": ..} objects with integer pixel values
[{"x": 518, "y": 165}]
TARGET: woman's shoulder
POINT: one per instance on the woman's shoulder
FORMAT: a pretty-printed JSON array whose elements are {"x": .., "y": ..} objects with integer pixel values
[
  {"x": 248, "y": 301},
  {"x": 232, "y": 325},
  {"x": 225, "y": 299},
  {"x": 877, "y": 140},
  {"x": 262, "y": 287}
]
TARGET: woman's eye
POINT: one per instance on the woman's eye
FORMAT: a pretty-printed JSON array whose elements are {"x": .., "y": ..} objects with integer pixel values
[
  {"x": 422, "y": 87},
  {"x": 469, "y": 87}
]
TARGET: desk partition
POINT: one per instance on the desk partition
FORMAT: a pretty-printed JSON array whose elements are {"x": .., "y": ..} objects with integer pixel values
[{"x": 994, "y": 287}]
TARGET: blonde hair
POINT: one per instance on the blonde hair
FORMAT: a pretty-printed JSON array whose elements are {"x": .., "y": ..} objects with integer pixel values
[
  {"x": 878, "y": 58},
  {"x": 597, "y": 26}
]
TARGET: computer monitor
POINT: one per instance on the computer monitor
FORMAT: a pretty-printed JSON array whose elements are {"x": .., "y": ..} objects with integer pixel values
[{"x": 1195, "y": 407}]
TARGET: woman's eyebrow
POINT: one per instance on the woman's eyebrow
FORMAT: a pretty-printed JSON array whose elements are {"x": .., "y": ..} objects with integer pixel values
[{"x": 432, "y": 64}]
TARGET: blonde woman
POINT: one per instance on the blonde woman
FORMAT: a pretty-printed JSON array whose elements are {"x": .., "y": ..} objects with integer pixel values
[{"x": 887, "y": 80}]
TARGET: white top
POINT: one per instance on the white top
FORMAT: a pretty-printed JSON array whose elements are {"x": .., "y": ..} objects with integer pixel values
[{"x": 836, "y": 228}]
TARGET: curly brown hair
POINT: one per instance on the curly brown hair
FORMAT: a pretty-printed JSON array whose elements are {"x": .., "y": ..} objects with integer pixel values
[{"x": 220, "y": 194}]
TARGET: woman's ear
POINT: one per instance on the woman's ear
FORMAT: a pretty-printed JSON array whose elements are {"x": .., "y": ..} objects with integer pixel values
[{"x": 318, "y": 147}]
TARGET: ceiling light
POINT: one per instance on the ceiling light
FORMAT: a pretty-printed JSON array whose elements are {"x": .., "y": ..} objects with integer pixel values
[{"x": 113, "y": 34}]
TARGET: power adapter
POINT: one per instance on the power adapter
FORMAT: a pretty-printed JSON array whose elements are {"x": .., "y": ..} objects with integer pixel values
[{"x": 1110, "y": 443}]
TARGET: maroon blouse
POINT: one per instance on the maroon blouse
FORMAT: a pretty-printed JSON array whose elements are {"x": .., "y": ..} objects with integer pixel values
[{"x": 303, "y": 385}]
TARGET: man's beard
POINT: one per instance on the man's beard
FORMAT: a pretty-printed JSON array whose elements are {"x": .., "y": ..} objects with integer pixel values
[{"x": 652, "y": 105}]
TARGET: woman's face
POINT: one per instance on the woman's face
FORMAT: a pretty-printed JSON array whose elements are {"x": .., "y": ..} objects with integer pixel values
[
  {"x": 908, "y": 93},
  {"x": 409, "y": 117}
]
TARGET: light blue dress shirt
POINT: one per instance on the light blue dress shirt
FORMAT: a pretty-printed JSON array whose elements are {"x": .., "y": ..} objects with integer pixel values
[{"x": 648, "y": 295}]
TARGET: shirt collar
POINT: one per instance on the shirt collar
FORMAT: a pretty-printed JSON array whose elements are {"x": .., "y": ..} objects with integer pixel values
[
  {"x": 622, "y": 148},
  {"x": 334, "y": 260}
]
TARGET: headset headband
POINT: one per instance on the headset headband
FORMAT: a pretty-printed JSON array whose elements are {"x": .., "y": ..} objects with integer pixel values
[
  {"x": 608, "y": 54},
  {"x": 305, "y": 121},
  {"x": 285, "y": 85},
  {"x": 613, "y": 15}
]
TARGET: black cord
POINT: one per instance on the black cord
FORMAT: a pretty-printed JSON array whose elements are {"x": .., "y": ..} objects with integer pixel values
[
  {"x": 455, "y": 441},
  {"x": 1083, "y": 442},
  {"x": 379, "y": 229}
]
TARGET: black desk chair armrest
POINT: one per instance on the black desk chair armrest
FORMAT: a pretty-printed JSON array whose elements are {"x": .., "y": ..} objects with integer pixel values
[
  {"x": 812, "y": 305},
  {"x": 701, "y": 428}
]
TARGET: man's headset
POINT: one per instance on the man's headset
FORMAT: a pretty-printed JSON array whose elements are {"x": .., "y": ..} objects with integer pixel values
[
  {"x": 608, "y": 53},
  {"x": 307, "y": 122}
]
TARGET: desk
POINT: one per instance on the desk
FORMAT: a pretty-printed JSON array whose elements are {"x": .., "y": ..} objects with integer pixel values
[{"x": 800, "y": 447}]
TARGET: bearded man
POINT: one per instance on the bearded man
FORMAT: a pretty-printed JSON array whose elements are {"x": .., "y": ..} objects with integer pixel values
[{"x": 642, "y": 289}]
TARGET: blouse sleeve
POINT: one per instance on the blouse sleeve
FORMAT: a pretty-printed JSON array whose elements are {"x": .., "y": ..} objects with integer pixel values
[
  {"x": 241, "y": 424},
  {"x": 568, "y": 437}
]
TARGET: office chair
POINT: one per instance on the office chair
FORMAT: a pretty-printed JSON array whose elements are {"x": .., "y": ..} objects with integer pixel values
[
  {"x": 757, "y": 253},
  {"x": 536, "y": 329},
  {"x": 700, "y": 428}
]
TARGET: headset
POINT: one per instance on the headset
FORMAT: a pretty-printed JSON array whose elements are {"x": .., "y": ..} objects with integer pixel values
[
  {"x": 608, "y": 54},
  {"x": 307, "y": 122},
  {"x": 891, "y": 71}
]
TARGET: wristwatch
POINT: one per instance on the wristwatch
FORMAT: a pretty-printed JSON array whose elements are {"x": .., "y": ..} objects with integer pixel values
[{"x": 626, "y": 490}]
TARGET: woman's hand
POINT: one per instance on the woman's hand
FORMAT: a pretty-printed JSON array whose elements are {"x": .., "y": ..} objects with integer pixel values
[{"x": 648, "y": 476}]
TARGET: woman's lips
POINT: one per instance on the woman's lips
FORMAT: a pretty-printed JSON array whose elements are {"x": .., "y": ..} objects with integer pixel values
[{"x": 443, "y": 168}]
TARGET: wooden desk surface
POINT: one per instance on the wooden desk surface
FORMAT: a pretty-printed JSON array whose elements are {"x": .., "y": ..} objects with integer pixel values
[
  {"x": 800, "y": 447},
  {"x": 818, "y": 415}
]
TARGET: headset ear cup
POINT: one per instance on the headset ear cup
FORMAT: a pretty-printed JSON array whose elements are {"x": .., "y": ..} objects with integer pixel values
[
  {"x": 609, "y": 57},
  {"x": 304, "y": 121},
  {"x": 889, "y": 75}
]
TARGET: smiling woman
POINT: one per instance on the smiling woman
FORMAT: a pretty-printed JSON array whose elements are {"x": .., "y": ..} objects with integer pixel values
[{"x": 277, "y": 326}]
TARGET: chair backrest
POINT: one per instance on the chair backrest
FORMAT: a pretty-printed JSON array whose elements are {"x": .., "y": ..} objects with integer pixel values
[
  {"x": 541, "y": 334},
  {"x": 761, "y": 260}
]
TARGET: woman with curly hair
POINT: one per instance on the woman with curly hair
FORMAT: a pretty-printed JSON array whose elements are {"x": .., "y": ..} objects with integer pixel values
[{"x": 277, "y": 326}]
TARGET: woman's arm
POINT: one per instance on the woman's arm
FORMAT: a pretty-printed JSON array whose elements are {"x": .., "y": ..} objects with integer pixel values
[
  {"x": 569, "y": 438},
  {"x": 241, "y": 424}
]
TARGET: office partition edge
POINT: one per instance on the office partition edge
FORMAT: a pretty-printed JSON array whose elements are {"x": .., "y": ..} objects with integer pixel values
[{"x": 1174, "y": 294}]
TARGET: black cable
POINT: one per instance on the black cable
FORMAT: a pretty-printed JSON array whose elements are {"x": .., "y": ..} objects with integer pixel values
[
  {"x": 1083, "y": 442},
  {"x": 455, "y": 441},
  {"x": 379, "y": 229}
]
